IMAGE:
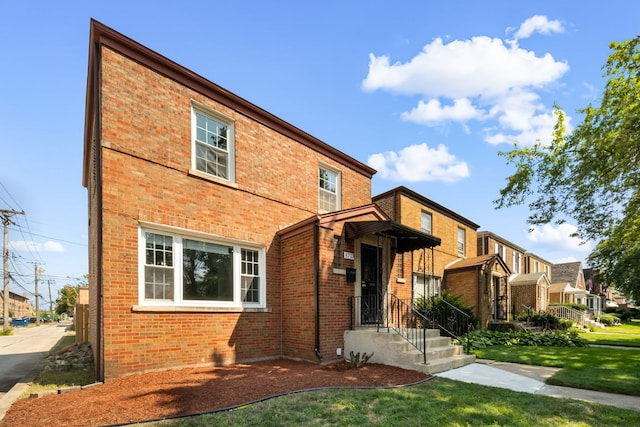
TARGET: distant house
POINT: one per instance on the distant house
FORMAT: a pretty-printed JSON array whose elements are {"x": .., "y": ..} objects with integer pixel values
[
  {"x": 512, "y": 254},
  {"x": 596, "y": 292},
  {"x": 219, "y": 233},
  {"x": 568, "y": 284},
  {"x": 19, "y": 305}
]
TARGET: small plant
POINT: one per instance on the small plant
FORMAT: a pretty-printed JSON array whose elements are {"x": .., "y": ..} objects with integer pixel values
[
  {"x": 7, "y": 332},
  {"x": 357, "y": 361}
]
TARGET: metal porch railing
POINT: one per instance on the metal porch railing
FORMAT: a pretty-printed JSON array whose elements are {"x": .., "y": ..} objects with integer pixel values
[
  {"x": 412, "y": 322},
  {"x": 564, "y": 312}
]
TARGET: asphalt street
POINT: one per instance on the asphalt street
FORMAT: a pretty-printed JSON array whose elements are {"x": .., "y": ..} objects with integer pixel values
[{"x": 23, "y": 352}]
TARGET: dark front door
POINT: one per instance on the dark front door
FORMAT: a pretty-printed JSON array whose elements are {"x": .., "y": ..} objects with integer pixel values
[
  {"x": 371, "y": 277},
  {"x": 500, "y": 298}
]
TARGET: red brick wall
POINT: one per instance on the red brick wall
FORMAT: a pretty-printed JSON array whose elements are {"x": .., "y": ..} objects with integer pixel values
[
  {"x": 146, "y": 146},
  {"x": 298, "y": 289}
]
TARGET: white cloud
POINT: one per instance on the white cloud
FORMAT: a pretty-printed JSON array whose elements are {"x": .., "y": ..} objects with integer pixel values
[
  {"x": 419, "y": 163},
  {"x": 432, "y": 112},
  {"x": 538, "y": 24},
  {"x": 479, "y": 79},
  {"x": 559, "y": 238},
  {"x": 30, "y": 246}
]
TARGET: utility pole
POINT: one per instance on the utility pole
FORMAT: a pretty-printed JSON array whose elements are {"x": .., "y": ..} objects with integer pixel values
[
  {"x": 50, "y": 300},
  {"x": 6, "y": 214},
  {"x": 35, "y": 272}
]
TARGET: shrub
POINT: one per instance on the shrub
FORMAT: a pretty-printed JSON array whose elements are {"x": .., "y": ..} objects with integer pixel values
[
  {"x": 432, "y": 307},
  {"x": 483, "y": 339},
  {"x": 609, "y": 319}
]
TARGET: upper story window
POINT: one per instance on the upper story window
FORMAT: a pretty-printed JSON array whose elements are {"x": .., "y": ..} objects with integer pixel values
[
  {"x": 425, "y": 222},
  {"x": 536, "y": 267},
  {"x": 461, "y": 242},
  {"x": 516, "y": 262},
  {"x": 213, "y": 144},
  {"x": 500, "y": 250},
  {"x": 328, "y": 190},
  {"x": 177, "y": 270}
]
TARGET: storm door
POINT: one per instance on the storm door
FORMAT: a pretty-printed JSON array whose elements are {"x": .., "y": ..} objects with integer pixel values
[
  {"x": 371, "y": 278},
  {"x": 499, "y": 298}
]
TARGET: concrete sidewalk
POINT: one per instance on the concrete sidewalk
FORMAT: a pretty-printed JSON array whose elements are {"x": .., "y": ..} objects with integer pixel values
[{"x": 531, "y": 379}]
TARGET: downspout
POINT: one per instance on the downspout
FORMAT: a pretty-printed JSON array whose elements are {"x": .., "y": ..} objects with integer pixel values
[
  {"x": 316, "y": 279},
  {"x": 99, "y": 247}
]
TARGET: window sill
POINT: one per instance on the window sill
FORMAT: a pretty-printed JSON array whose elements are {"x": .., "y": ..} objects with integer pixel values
[
  {"x": 187, "y": 309},
  {"x": 401, "y": 280},
  {"x": 206, "y": 176}
]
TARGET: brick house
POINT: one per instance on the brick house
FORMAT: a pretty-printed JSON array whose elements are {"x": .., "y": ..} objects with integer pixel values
[
  {"x": 426, "y": 268},
  {"x": 218, "y": 232},
  {"x": 453, "y": 266},
  {"x": 535, "y": 264},
  {"x": 19, "y": 305},
  {"x": 483, "y": 283},
  {"x": 568, "y": 284},
  {"x": 513, "y": 255}
]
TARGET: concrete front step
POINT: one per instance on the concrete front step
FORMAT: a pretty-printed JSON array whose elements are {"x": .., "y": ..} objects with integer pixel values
[{"x": 389, "y": 348}]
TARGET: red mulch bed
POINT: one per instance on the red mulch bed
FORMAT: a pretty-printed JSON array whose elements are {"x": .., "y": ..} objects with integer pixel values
[{"x": 190, "y": 391}]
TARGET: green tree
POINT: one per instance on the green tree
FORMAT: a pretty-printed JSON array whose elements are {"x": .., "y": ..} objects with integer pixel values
[
  {"x": 66, "y": 300},
  {"x": 592, "y": 175}
]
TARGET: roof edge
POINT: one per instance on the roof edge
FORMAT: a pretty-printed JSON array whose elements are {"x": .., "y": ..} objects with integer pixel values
[{"x": 102, "y": 35}]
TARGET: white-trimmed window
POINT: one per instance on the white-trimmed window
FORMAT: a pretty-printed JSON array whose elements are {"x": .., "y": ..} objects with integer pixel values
[
  {"x": 213, "y": 144},
  {"x": 500, "y": 250},
  {"x": 516, "y": 262},
  {"x": 199, "y": 270},
  {"x": 328, "y": 190},
  {"x": 425, "y": 222},
  {"x": 461, "y": 242}
]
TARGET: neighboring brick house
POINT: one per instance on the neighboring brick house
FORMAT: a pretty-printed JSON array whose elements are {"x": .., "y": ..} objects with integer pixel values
[
  {"x": 19, "y": 305},
  {"x": 568, "y": 285},
  {"x": 453, "y": 265},
  {"x": 218, "y": 233},
  {"x": 483, "y": 283},
  {"x": 512, "y": 254},
  {"x": 457, "y": 234},
  {"x": 535, "y": 264}
]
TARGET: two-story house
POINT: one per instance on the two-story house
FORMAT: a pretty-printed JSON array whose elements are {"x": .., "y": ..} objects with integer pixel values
[
  {"x": 218, "y": 232},
  {"x": 453, "y": 265}
]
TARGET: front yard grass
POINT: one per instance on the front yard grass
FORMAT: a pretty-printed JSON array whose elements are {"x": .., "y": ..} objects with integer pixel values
[
  {"x": 439, "y": 402},
  {"x": 627, "y": 334}
]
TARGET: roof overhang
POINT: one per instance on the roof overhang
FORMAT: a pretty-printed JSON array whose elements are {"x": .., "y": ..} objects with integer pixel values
[{"x": 408, "y": 239}]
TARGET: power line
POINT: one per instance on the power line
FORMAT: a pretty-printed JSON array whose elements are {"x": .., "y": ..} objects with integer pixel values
[{"x": 55, "y": 238}]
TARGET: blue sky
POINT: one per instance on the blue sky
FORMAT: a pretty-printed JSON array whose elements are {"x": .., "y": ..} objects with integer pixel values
[{"x": 425, "y": 92}]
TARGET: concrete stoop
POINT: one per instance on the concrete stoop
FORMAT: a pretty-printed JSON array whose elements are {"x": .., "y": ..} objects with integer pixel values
[{"x": 390, "y": 348}]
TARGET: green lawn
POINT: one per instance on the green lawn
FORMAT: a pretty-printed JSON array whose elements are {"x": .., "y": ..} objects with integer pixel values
[
  {"x": 439, "y": 402},
  {"x": 594, "y": 368},
  {"x": 627, "y": 335}
]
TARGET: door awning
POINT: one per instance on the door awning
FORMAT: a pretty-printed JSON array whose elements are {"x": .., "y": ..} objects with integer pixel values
[{"x": 408, "y": 239}]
